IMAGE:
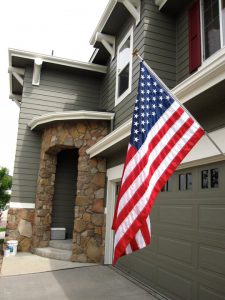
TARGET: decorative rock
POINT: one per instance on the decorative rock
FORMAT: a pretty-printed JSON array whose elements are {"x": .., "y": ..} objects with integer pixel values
[
  {"x": 93, "y": 251},
  {"x": 77, "y": 249},
  {"x": 24, "y": 244},
  {"x": 98, "y": 219},
  {"x": 99, "y": 193},
  {"x": 69, "y": 141},
  {"x": 79, "y": 225},
  {"x": 25, "y": 228},
  {"x": 98, "y": 206},
  {"x": 82, "y": 200},
  {"x": 101, "y": 165},
  {"x": 99, "y": 179},
  {"x": 82, "y": 258}
]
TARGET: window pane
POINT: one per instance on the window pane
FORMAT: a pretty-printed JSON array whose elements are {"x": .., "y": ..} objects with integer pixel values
[
  {"x": 123, "y": 80},
  {"x": 214, "y": 178},
  {"x": 211, "y": 26},
  {"x": 189, "y": 181},
  {"x": 223, "y": 20},
  {"x": 124, "y": 55},
  {"x": 182, "y": 182},
  {"x": 205, "y": 179}
]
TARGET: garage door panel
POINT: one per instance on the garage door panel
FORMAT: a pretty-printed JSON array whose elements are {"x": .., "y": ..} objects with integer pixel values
[
  {"x": 212, "y": 217},
  {"x": 179, "y": 250},
  {"x": 179, "y": 215},
  {"x": 138, "y": 266},
  {"x": 174, "y": 285},
  {"x": 212, "y": 259},
  {"x": 208, "y": 294}
]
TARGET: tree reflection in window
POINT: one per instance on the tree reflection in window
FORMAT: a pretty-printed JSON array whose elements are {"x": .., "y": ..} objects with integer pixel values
[{"x": 210, "y": 177}]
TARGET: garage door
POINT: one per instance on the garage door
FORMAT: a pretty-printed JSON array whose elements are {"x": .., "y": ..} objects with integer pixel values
[{"x": 186, "y": 259}]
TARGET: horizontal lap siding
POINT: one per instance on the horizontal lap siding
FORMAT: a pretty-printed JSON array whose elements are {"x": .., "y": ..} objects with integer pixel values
[
  {"x": 57, "y": 92},
  {"x": 182, "y": 48},
  {"x": 160, "y": 43},
  {"x": 154, "y": 37}
]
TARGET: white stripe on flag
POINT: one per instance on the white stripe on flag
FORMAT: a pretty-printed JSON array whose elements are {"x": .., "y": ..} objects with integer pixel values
[{"x": 125, "y": 225}]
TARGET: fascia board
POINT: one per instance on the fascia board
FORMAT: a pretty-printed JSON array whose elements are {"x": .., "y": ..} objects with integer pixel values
[
  {"x": 107, "y": 12},
  {"x": 57, "y": 60},
  {"x": 69, "y": 115}
]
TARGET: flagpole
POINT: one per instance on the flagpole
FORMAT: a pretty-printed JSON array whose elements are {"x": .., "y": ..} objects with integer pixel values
[{"x": 136, "y": 53}]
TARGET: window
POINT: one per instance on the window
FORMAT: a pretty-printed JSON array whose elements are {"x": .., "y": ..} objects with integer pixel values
[
  {"x": 209, "y": 36},
  {"x": 185, "y": 181},
  {"x": 213, "y": 26},
  {"x": 223, "y": 21},
  {"x": 210, "y": 178},
  {"x": 124, "y": 67}
]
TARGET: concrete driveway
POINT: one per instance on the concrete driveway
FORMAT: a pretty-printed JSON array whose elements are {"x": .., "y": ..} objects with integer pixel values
[{"x": 91, "y": 283}]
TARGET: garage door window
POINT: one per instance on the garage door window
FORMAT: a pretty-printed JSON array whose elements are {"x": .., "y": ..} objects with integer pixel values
[
  {"x": 210, "y": 178},
  {"x": 185, "y": 182}
]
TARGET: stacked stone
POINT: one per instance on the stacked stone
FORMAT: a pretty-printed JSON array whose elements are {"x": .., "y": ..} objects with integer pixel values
[
  {"x": 89, "y": 227},
  {"x": 89, "y": 222},
  {"x": 19, "y": 227}
]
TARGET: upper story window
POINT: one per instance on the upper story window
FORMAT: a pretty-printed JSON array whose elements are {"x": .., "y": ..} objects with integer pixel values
[
  {"x": 211, "y": 27},
  {"x": 124, "y": 67},
  {"x": 206, "y": 30}
]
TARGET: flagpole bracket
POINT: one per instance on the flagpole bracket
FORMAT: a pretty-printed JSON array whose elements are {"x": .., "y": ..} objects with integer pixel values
[{"x": 136, "y": 53}]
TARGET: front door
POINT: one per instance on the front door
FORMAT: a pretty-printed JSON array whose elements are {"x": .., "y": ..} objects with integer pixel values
[{"x": 65, "y": 191}]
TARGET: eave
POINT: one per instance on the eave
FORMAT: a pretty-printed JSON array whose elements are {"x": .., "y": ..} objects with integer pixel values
[
  {"x": 36, "y": 122},
  {"x": 16, "y": 72}
]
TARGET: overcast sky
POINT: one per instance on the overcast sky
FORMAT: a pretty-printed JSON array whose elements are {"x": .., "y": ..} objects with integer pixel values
[{"x": 40, "y": 26}]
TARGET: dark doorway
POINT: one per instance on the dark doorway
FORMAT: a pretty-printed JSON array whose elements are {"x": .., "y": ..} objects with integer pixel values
[{"x": 65, "y": 191}]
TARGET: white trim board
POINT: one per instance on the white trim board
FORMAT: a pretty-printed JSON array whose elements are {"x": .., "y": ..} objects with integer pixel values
[
  {"x": 211, "y": 72},
  {"x": 69, "y": 115},
  {"x": 113, "y": 176},
  {"x": 202, "y": 151},
  {"x": 21, "y": 205},
  {"x": 57, "y": 60}
]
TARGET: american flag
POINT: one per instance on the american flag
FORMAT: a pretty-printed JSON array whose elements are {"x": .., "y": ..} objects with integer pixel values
[{"x": 162, "y": 134}]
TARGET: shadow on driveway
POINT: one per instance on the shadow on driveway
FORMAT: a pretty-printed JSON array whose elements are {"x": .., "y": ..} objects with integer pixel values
[{"x": 91, "y": 283}]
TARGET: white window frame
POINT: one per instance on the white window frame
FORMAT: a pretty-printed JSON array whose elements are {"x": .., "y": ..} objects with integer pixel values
[
  {"x": 113, "y": 176},
  {"x": 222, "y": 42},
  {"x": 130, "y": 34}
]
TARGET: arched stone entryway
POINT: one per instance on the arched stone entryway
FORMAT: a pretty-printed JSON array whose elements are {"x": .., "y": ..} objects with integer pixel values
[{"x": 89, "y": 222}]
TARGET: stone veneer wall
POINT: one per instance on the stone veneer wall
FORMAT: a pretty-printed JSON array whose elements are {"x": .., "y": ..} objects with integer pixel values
[
  {"x": 89, "y": 224},
  {"x": 19, "y": 227}
]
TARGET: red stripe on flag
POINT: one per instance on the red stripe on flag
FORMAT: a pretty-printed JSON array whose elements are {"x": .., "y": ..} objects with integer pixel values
[
  {"x": 141, "y": 218},
  {"x": 141, "y": 190}
]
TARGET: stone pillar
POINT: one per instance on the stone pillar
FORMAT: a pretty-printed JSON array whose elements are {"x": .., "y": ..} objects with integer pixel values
[
  {"x": 89, "y": 227},
  {"x": 44, "y": 196}
]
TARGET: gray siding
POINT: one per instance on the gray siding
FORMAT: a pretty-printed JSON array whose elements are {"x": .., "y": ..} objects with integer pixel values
[
  {"x": 160, "y": 43},
  {"x": 155, "y": 38},
  {"x": 124, "y": 109},
  {"x": 58, "y": 91}
]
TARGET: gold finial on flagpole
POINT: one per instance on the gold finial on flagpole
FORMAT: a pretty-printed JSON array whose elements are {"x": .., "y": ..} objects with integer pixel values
[{"x": 136, "y": 53}]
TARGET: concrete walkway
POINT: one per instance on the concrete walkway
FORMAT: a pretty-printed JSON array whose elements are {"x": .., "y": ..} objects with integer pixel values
[
  {"x": 27, "y": 263},
  {"x": 86, "y": 283}
]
